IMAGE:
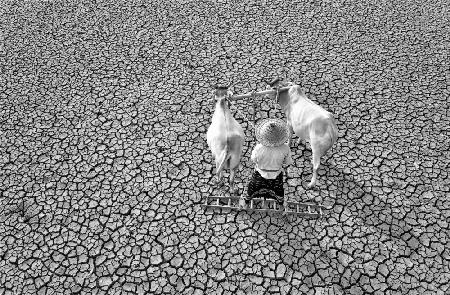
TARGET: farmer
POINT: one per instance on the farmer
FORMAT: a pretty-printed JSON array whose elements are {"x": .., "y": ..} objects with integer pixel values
[{"x": 269, "y": 156}]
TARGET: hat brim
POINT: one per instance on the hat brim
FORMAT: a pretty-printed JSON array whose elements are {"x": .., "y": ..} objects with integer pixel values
[{"x": 261, "y": 137}]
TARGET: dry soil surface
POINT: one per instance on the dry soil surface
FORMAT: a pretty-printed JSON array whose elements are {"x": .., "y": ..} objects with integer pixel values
[{"x": 104, "y": 107}]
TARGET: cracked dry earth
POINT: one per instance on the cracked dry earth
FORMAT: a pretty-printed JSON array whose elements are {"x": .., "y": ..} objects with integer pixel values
[{"x": 104, "y": 164}]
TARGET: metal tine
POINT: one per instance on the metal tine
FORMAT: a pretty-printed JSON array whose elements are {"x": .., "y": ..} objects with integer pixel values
[
  {"x": 251, "y": 204},
  {"x": 297, "y": 207},
  {"x": 309, "y": 209},
  {"x": 288, "y": 208},
  {"x": 229, "y": 202}
]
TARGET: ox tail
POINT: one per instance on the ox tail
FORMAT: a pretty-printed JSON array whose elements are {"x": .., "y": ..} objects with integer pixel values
[
  {"x": 223, "y": 158},
  {"x": 334, "y": 131}
]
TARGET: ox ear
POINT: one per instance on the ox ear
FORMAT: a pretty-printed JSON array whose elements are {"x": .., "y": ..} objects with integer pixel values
[
  {"x": 221, "y": 90},
  {"x": 215, "y": 93},
  {"x": 213, "y": 96},
  {"x": 274, "y": 82}
]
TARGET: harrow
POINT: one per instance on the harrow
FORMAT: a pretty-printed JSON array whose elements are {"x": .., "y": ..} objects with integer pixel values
[{"x": 265, "y": 205}]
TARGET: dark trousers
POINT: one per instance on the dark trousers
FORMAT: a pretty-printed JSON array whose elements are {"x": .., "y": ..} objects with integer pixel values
[{"x": 261, "y": 186}]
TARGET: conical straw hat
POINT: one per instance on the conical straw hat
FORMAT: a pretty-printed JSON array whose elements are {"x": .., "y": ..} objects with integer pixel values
[{"x": 272, "y": 132}]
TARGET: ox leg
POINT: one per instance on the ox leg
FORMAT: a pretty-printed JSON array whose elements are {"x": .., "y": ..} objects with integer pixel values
[
  {"x": 220, "y": 174},
  {"x": 315, "y": 162},
  {"x": 232, "y": 188},
  {"x": 291, "y": 133}
]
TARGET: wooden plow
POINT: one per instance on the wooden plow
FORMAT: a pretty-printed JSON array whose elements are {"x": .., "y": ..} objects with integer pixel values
[{"x": 265, "y": 205}]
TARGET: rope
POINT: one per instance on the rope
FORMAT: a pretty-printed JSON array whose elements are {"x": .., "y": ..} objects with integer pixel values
[
  {"x": 278, "y": 94},
  {"x": 254, "y": 109},
  {"x": 244, "y": 116},
  {"x": 254, "y": 118}
]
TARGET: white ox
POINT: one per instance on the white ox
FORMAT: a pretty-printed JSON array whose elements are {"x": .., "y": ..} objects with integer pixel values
[
  {"x": 309, "y": 122},
  {"x": 225, "y": 137}
]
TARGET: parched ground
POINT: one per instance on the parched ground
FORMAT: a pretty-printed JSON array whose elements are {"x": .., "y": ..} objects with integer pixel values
[{"x": 104, "y": 108}]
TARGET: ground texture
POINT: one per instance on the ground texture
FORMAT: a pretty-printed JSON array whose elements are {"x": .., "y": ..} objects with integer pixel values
[{"x": 104, "y": 108}]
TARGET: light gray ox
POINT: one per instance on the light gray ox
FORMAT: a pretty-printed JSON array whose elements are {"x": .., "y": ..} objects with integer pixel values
[
  {"x": 225, "y": 137},
  {"x": 308, "y": 121}
]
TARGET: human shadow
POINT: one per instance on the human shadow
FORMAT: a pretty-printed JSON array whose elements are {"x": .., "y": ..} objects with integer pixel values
[{"x": 352, "y": 204}]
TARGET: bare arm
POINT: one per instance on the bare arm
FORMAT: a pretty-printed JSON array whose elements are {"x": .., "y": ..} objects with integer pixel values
[{"x": 254, "y": 156}]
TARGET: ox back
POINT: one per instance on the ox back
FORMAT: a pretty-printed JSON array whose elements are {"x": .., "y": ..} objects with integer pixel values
[
  {"x": 309, "y": 122},
  {"x": 225, "y": 139}
]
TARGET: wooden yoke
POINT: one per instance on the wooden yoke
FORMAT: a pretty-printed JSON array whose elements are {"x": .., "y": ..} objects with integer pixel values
[{"x": 259, "y": 93}]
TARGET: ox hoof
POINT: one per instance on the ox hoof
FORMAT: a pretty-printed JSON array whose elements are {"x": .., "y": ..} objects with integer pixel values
[
  {"x": 242, "y": 204},
  {"x": 285, "y": 208},
  {"x": 234, "y": 191},
  {"x": 311, "y": 184},
  {"x": 218, "y": 183}
]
